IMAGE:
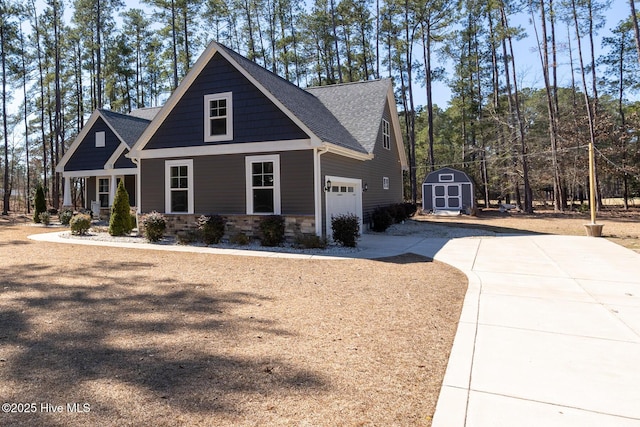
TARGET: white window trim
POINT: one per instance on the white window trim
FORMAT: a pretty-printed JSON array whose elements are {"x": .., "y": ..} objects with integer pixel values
[
  {"x": 100, "y": 139},
  {"x": 385, "y": 182},
  {"x": 168, "y": 164},
  {"x": 207, "y": 123},
  {"x": 249, "y": 160},
  {"x": 108, "y": 192},
  {"x": 446, "y": 177},
  {"x": 386, "y": 134}
]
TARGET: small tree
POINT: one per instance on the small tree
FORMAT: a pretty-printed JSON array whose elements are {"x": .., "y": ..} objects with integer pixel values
[
  {"x": 40, "y": 204},
  {"x": 120, "y": 221}
]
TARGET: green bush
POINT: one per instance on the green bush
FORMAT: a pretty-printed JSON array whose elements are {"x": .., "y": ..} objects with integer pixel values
[
  {"x": 80, "y": 224},
  {"x": 240, "y": 239},
  {"x": 155, "y": 225},
  {"x": 65, "y": 216},
  {"x": 40, "y": 204},
  {"x": 211, "y": 228},
  {"x": 45, "y": 218},
  {"x": 346, "y": 229},
  {"x": 120, "y": 221},
  {"x": 310, "y": 241},
  {"x": 271, "y": 230},
  {"x": 381, "y": 219}
]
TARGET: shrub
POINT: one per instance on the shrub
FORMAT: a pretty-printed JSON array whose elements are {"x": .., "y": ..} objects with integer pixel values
[
  {"x": 45, "y": 218},
  {"x": 40, "y": 205},
  {"x": 410, "y": 209},
  {"x": 240, "y": 239},
  {"x": 80, "y": 224},
  {"x": 65, "y": 216},
  {"x": 310, "y": 241},
  {"x": 271, "y": 230},
  {"x": 155, "y": 225},
  {"x": 212, "y": 228},
  {"x": 120, "y": 221},
  {"x": 381, "y": 219},
  {"x": 346, "y": 229},
  {"x": 398, "y": 212}
]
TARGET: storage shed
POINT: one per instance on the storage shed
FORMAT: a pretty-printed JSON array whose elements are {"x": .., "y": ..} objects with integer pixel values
[{"x": 447, "y": 190}]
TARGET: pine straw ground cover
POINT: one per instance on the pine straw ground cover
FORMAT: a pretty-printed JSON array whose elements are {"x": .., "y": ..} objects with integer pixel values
[{"x": 159, "y": 338}]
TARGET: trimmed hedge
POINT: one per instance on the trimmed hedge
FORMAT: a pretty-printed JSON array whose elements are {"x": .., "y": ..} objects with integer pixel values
[
  {"x": 346, "y": 229},
  {"x": 271, "y": 230}
]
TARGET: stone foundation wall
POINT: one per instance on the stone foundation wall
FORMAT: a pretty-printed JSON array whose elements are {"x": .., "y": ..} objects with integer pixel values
[{"x": 246, "y": 224}]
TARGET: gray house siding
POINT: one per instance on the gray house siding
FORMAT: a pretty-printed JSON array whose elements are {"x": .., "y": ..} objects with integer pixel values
[
  {"x": 219, "y": 184},
  {"x": 255, "y": 117},
  {"x": 91, "y": 190},
  {"x": 130, "y": 186},
  {"x": 89, "y": 157}
]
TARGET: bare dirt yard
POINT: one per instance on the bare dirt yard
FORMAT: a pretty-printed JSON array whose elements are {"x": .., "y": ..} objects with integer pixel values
[
  {"x": 620, "y": 226},
  {"x": 127, "y": 337}
]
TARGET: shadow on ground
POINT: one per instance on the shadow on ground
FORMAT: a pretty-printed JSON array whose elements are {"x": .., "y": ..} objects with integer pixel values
[{"x": 76, "y": 335}]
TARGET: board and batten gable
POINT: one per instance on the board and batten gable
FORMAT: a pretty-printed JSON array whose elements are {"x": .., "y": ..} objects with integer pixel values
[
  {"x": 220, "y": 183},
  {"x": 255, "y": 117},
  {"x": 89, "y": 157}
]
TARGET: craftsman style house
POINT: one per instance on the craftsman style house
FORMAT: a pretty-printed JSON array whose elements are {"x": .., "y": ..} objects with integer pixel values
[{"x": 237, "y": 140}]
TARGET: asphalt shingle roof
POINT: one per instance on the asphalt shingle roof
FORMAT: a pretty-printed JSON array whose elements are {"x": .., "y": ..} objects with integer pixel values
[
  {"x": 129, "y": 128},
  {"x": 303, "y": 104},
  {"x": 358, "y": 106}
]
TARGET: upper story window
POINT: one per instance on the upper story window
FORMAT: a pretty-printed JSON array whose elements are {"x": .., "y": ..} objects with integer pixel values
[
  {"x": 386, "y": 135},
  {"x": 100, "y": 139},
  {"x": 218, "y": 117}
]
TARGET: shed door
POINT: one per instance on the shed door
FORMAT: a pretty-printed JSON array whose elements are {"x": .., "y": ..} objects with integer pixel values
[
  {"x": 344, "y": 197},
  {"x": 447, "y": 196}
]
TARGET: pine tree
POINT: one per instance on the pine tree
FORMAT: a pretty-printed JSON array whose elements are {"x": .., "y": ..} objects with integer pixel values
[{"x": 120, "y": 222}]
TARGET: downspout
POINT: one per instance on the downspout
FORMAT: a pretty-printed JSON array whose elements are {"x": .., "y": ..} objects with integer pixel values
[{"x": 318, "y": 187}]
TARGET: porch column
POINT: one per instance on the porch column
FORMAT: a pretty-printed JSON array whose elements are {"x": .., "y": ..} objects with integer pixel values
[
  {"x": 66, "y": 201},
  {"x": 112, "y": 189}
]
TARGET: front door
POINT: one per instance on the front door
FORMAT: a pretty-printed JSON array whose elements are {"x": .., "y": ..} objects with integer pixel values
[{"x": 447, "y": 196}]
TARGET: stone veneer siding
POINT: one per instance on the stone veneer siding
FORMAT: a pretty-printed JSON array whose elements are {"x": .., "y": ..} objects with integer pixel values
[{"x": 247, "y": 224}]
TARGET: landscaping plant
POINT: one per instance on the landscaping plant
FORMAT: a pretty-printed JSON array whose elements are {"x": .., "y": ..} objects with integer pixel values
[
  {"x": 120, "y": 221},
  {"x": 40, "y": 205},
  {"x": 271, "y": 230},
  {"x": 80, "y": 224},
  {"x": 346, "y": 229},
  {"x": 65, "y": 216},
  {"x": 212, "y": 228},
  {"x": 154, "y": 225}
]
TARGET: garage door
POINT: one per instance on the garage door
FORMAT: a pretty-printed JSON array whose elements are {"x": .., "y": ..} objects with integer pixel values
[{"x": 343, "y": 197}]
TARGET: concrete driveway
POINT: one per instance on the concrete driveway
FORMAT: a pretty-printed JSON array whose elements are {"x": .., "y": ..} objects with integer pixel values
[{"x": 549, "y": 334}]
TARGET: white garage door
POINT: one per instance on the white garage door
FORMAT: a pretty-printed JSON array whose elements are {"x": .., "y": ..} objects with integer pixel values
[{"x": 344, "y": 197}]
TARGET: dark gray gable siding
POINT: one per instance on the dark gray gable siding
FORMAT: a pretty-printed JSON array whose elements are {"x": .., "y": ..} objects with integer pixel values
[
  {"x": 255, "y": 117},
  {"x": 87, "y": 156},
  {"x": 123, "y": 162},
  {"x": 458, "y": 176}
]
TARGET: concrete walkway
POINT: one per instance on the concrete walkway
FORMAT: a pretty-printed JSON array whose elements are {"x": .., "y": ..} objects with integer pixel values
[{"x": 549, "y": 333}]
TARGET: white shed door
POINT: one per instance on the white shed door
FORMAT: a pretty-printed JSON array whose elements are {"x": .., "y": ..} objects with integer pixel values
[
  {"x": 447, "y": 196},
  {"x": 344, "y": 197}
]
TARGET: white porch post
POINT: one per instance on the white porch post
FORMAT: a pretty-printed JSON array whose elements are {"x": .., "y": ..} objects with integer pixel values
[
  {"x": 66, "y": 200},
  {"x": 112, "y": 189}
]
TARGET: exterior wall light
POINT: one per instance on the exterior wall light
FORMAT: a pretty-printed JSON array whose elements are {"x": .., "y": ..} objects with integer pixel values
[
  {"x": 365, "y": 187},
  {"x": 327, "y": 186}
]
